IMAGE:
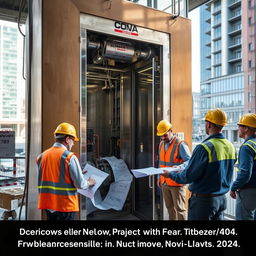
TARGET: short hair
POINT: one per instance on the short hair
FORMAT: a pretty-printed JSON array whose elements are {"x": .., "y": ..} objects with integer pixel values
[
  {"x": 60, "y": 137},
  {"x": 220, "y": 127}
]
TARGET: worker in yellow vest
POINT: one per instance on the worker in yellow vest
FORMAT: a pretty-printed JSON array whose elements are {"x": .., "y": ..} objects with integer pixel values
[
  {"x": 243, "y": 188},
  {"x": 209, "y": 171},
  {"x": 172, "y": 152},
  {"x": 59, "y": 176}
]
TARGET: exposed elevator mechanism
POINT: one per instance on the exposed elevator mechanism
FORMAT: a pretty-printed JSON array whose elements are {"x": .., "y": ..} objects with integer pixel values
[
  {"x": 122, "y": 101},
  {"x": 57, "y": 84},
  {"x": 111, "y": 62}
]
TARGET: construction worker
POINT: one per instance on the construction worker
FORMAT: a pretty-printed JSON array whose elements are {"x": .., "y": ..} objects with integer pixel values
[
  {"x": 243, "y": 188},
  {"x": 172, "y": 152},
  {"x": 59, "y": 176},
  {"x": 209, "y": 171}
]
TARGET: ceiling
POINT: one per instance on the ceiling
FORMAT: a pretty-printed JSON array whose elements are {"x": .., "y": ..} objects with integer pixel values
[{"x": 9, "y": 9}]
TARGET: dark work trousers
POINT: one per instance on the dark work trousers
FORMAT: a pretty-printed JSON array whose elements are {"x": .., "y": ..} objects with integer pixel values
[
  {"x": 60, "y": 215},
  {"x": 207, "y": 208}
]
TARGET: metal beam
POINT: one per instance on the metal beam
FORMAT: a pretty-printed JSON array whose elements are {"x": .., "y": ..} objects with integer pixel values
[
  {"x": 12, "y": 15},
  {"x": 9, "y": 10},
  {"x": 192, "y": 4}
]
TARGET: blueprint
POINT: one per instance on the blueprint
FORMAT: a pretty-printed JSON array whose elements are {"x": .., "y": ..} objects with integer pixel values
[
  {"x": 96, "y": 174},
  {"x": 118, "y": 190},
  {"x": 138, "y": 173}
]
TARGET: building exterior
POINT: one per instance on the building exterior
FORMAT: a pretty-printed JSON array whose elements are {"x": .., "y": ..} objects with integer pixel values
[
  {"x": 227, "y": 48},
  {"x": 12, "y": 84},
  {"x": 227, "y": 60},
  {"x": 248, "y": 54},
  {"x": 175, "y": 7},
  {"x": 196, "y": 115}
]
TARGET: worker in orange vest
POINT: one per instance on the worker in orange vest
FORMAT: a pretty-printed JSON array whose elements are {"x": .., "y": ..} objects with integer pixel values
[
  {"x": 59, "y": 176},
  {"x": 172, "y": 152}
]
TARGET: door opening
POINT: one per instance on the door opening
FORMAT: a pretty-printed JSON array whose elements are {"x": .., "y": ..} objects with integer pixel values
[{"x": 122, "y": 103}]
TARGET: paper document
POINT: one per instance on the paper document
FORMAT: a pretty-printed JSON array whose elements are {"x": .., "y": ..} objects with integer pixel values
[
  {"x": 118, "y": 189},
  {"x": 96, "y": 174},
  {"x": 170, "y": 169},
  {"x": 138, "y": 173}
]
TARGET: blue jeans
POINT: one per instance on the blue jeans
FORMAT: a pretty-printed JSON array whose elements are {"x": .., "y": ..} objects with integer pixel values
[
  {"x": 207, "y": 208},
  {"x": 246, "y": 204}
]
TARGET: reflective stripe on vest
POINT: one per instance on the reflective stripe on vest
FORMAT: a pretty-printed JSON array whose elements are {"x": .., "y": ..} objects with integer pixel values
[
  {"x": 174, "y": 148},
  {"x": 58, "y": 188},
  {"x": 252, "y": 145},
  {"x": 173, "y": 151},
  {"x": 219, "y": 149}
]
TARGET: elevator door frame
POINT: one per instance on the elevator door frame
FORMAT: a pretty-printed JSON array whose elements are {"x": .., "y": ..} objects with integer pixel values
[
  {"x": 141, "y": 210},
  {"x": 107, "y": 26}
]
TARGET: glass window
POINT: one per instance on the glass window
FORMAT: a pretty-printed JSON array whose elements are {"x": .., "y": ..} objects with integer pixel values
[
  {"x": 235, "y": 135},
  {"x": 237, "y": 12},
  {"x": 217, "y": 32},
  {"x": 217, "y": 19},
  {"x": 250, "y": 47},
  {"x": 249, "y": 97},
  {"x": 237, "y": 54},
  {"x": 217, "y": 71},
  {"x": 217, "y": 45},
  {"x": 237, "y": 67},
  {"x": 249, "y": 79},
  {"x": 237, "y": 40},
  {"x": 167, "y": 6},
  {"x": 236, "y": 26},
  {"x": 242, "y": 97},
  {"x": 217, "y": 58},
  {"x": 142, "y": 2},
  {"x": 217, "y": 6}
]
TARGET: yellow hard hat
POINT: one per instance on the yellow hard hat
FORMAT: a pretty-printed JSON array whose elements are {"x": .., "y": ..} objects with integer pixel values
[
  {"x": 216, "y": 116},
  {"x": 163, "y": 127},
  {"x": 248, "y": 120},
  {"x": 67, "y": 129}
]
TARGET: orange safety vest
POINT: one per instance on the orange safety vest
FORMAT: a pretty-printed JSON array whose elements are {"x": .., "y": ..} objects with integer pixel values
[
  {"x": 56, "y": 189},
  {"x": 169, "y": 159}
]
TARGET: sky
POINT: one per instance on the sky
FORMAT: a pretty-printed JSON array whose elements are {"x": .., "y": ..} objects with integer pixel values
[{"x": 195, "y": 33}]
